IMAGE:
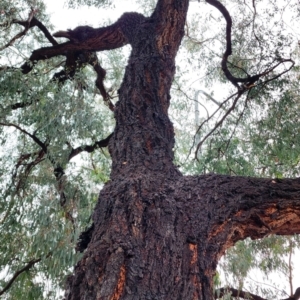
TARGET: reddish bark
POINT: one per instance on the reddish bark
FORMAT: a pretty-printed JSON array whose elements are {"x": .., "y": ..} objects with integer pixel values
[{"x": 156, "y": 233}]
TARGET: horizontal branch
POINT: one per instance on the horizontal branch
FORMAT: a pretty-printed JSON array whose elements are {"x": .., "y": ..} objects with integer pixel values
[
  {"x": 240, "y": 207},
  {"x": 90, "y": 148},
  {"x": 82, "y": 38},
  {"x": 219, "y": 293}
]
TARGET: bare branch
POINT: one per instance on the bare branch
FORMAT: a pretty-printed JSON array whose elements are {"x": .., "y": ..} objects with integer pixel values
[
  {"x": 15, "y": 276},
  {"x": 90, "y": 148},
  {"x": 219, "y": 293},
  {"x": 35, "y": 22},
  {"x": 218, "y": 124},
  {"x": 33, "y": 137}
]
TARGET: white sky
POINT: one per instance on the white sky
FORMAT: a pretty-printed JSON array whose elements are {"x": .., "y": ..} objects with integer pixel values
[{"x": 64, "y": 18}]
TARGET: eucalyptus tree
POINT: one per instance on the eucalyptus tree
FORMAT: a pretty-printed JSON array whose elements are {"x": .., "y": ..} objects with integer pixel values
[{"x": 154, "y": 233}]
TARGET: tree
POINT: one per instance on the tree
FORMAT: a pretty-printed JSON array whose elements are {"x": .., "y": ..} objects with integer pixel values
[{"x": 156, "y": 234}]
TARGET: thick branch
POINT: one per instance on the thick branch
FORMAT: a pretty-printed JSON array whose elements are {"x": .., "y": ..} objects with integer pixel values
[
  {"x": 241, "y": 207},
  {"x": 219, "y": 293},
  {"x": 170, "y": 18},
  {"x": 82, "y": 38}
]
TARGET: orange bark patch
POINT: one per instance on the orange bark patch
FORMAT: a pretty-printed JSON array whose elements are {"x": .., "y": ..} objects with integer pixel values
[
  {"x": 194, "y": 250},
  {"x": 120, "y": 285}
]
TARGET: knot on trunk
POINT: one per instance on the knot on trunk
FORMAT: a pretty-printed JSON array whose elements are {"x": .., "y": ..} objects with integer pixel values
[{"x": 130, "y": 23}]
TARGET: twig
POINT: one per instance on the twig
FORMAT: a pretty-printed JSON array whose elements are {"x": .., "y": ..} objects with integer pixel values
[
  {"x": 15, "y": 276},
  {"x": 90, "y": 148},
  {"x": 219, "y": 123}
]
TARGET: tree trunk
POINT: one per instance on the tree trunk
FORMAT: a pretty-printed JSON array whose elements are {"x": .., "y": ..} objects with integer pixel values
[
  {"x": 157, "y": 234},
  {"x": 139, "y": 247}
]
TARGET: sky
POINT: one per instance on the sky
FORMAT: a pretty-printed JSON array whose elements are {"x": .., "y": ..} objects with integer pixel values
[{"x": 64, "y": 18}]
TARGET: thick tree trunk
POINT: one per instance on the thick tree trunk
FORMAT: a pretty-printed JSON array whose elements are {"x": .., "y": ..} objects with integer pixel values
[{"x": 139, "y": 247}]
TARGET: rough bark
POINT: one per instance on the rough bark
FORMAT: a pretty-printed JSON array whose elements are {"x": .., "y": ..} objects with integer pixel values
[{"x": 157, "y": 234}]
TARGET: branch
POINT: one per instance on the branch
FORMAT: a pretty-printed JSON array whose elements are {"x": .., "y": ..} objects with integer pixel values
[
  {"x": 26, "y": 24},
  {"x": 218, "y": 123},
  {"x": 39, "y": 158},
  {"x": 15, "y": 276},
  {"x": 58, "y": 170},
  {"x": 248, "y": 81},
  {"x": 35, "y": 22},
  {"x": 90, "y": 148},
  {"x": 33, "y": 137},
  {"x": 219, "y": 293},
  {"x": 240, "y": 207},
  {"x": 85, "y": 38},
  {"x": 99, "y": 81}
]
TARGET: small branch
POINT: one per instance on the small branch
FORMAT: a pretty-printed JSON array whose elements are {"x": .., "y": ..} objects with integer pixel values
[
  {"x": 26, "y": 24},
  {"x": 40, "y": 25},
  {"x": 290, "y": 265},
  {"x": 15, "y": 276},
  {"x": 218, "y": 123},
  {"x": 99, "y": 81},
  {"x": 90, "y": 148},
  {"x": 39, "y": 158},
  {"x": 33, "y": 137},
  {"x": 18, "y": 105},
  {"x": 219, "y": 293}
]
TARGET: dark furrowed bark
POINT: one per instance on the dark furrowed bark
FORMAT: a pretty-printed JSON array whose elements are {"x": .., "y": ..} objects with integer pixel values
[{"x": 139, "y": 248}]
